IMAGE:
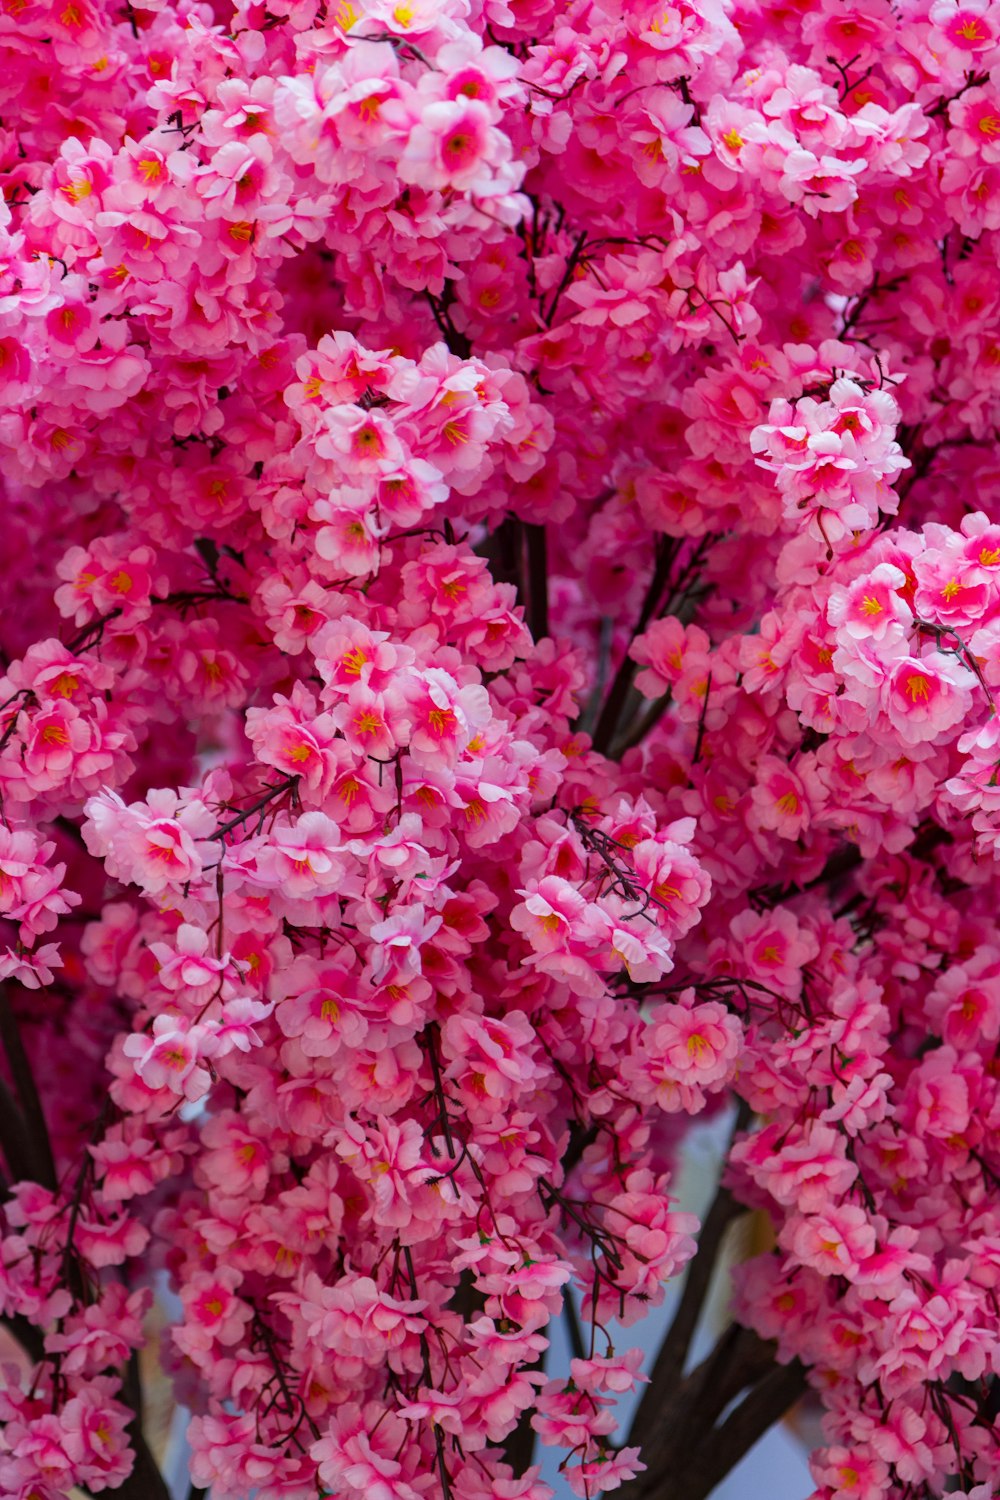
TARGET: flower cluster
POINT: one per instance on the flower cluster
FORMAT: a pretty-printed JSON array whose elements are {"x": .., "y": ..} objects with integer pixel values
[{"x": 502, "y": 636}]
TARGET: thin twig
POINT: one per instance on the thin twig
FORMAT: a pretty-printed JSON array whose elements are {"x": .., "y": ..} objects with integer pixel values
[{"x": 273, "y": 792}]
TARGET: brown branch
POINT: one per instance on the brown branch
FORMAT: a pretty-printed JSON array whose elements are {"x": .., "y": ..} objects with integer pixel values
[
  {"x": 145, "y": 1481},
  {"x": 686, "y": 1453},
  {"x": 726, "y": 1445},
  {"x": 27, "y": 1335},
  {"x": 669, "y": 1366},
  {"x": 538, "y": 582},
  {"x": 668, "y": 1369},
  {"x": 15, "y": 1141},
  {"x": 572, "y": 261},
  {"x": 618, "y": 696},
  {"x": 458, "y": 343},
  {"x": 38, "y": 1158},
  {"x": 273, "y": 792}
]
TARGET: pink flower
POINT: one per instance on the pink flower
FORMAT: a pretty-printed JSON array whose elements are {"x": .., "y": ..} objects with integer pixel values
[
  {"x": 96, "y": 1440},
  {"x": 398, "y": 941},
  {"x": 780, "y": 800},
  {"x": 857, "y": 30},
  {"x": 696, "y": 1044},
  {"x": 807, "y": 1170},
  {"x": 449, "y": 145},
  {"x": 227, "y": 1455},
  {"x": 61, "y": 746},
  {"x": 323, "y": 1014},
  {"x": 833, "y": 1242},
  {"x": 109, "y": 577},
  {"x": 361, "y": 441},
  {"x": 444, "y": 717},
  {"x": 34, "y": 970},
  {"x": 239, "y": 178},
  {"x": 924, "y": 697},
  {"x": 170, "y": 1057},
  {"x": 31, "y": 891},
  {"x": 235, "y": 1028},
  {"x": 451, "y": 589},
  {"x": 372, "y": 723},
  {"x": 128, "y": 1169},
  {"x": 356, "y": 1460},
  {"x": 669, "y": 651},
  {"x": 849, "y": 1474},
  {"x": 390, "y": 1158},
  {"x": 302, "y": 858},
  {"x": 965, "y": 29},
  {"x": 188, "y": 966},
  {"x": 494, "y": 1058},
  {"x": 610, "y": 1374},
  {"x": 158, "y": 843},
  {"x": 295, "y": 738},
  {"x": 606, "y": 1470},
  {"x": 213, "y": 1314},
  {"x": 871, "y": 606},
  {"x": 549, "y": 913},
  {"x": 771, "y": 948}
]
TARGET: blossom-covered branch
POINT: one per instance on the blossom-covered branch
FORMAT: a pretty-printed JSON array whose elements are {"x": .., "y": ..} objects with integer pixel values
[{"x": 499, "y": 656}]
